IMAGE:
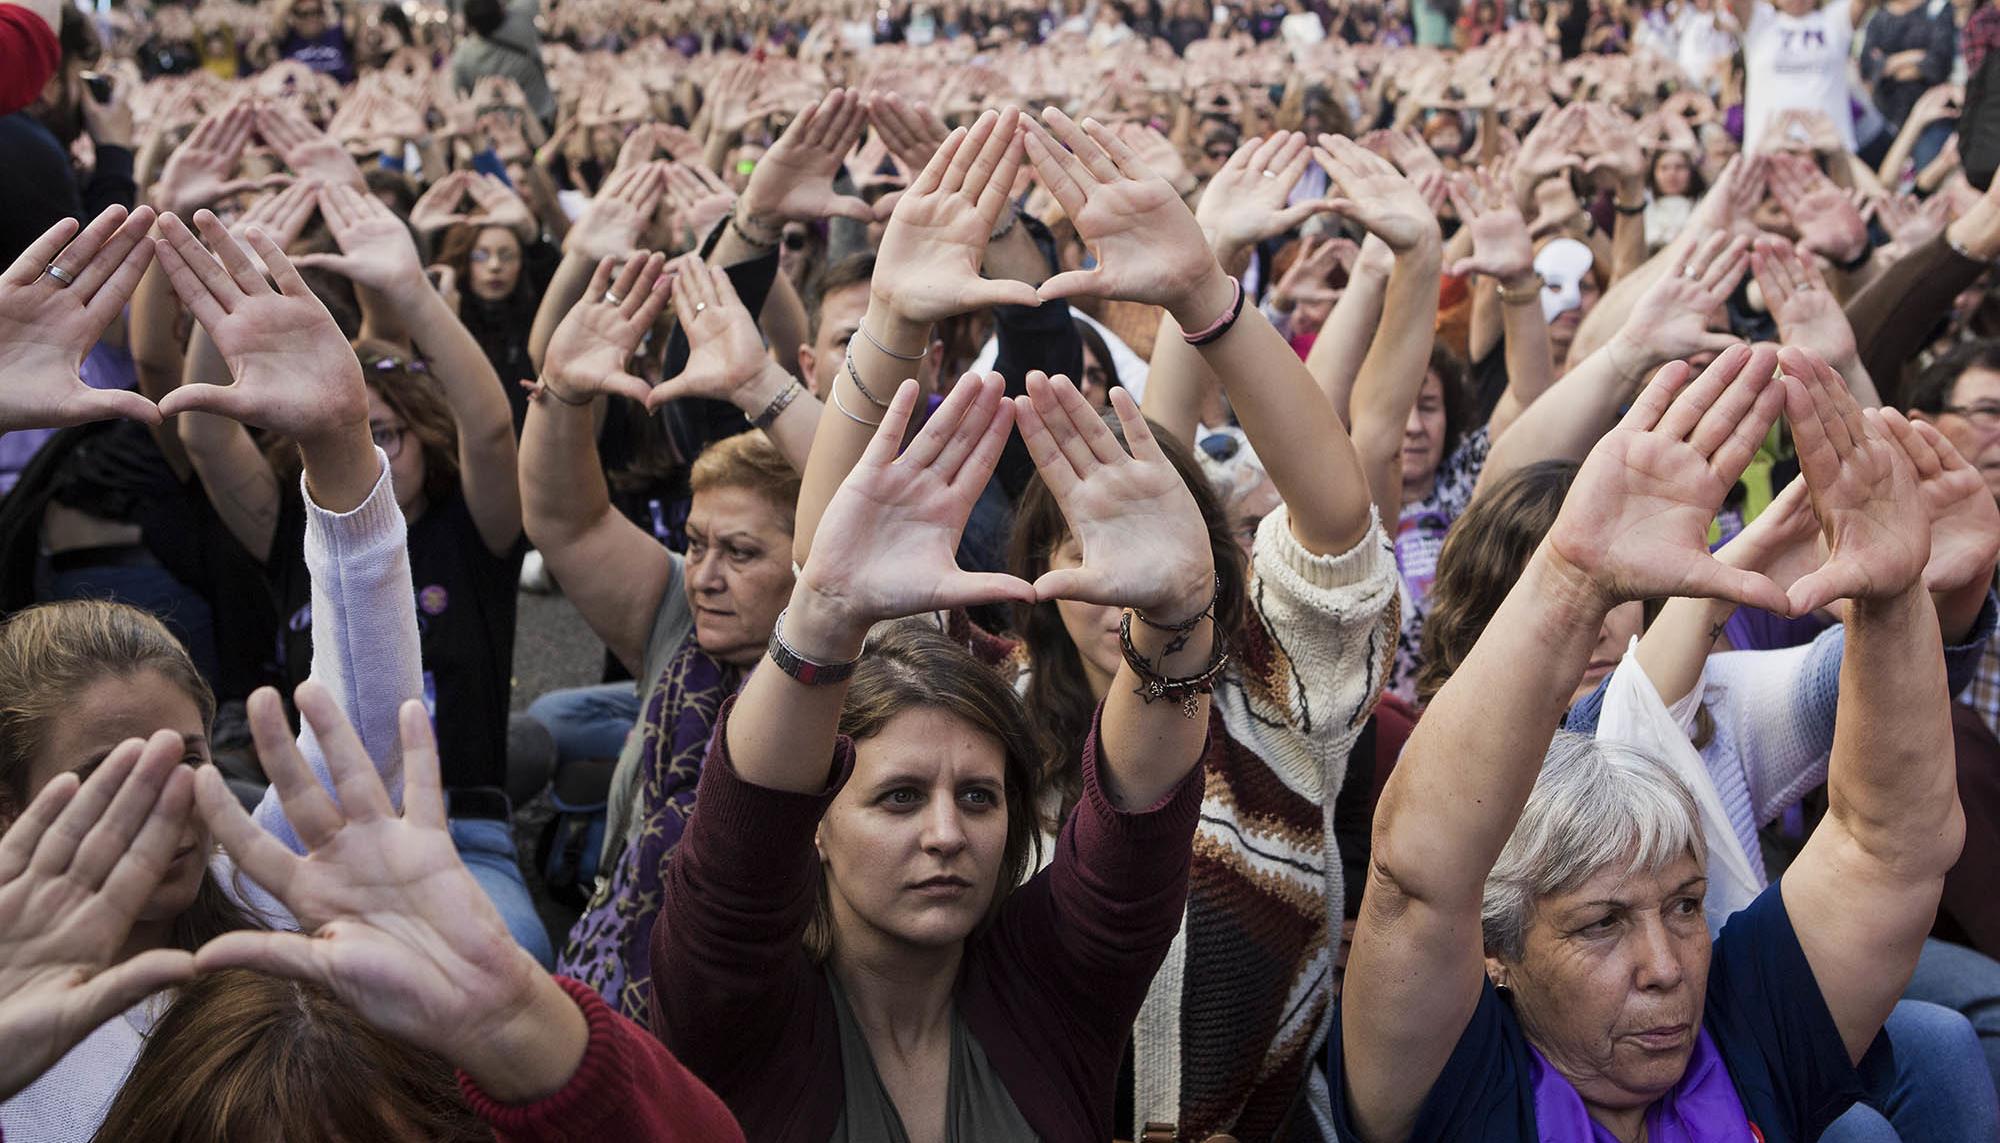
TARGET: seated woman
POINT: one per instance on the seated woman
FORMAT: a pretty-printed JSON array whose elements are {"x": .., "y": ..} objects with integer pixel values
[
  {"x": 1762, "y": 723},
  {"x": 77, "y": 678},
  {"x": 1531, "y": 960},
  {"x": 843, "y": 951}
]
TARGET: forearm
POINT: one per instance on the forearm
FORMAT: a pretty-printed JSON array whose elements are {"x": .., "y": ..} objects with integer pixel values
[
  {"x": 1298, "y": 438},
  {"x": 782, "y": 730},
  {"x": 1485, "y": 331},
  {"x": 1393, "y": 374},
  {"x": 1464, "y": 777},
  {"x": 1178, "y": 382},
  {"x": 840, "y": 439},
  {"x": 1343, "y": 342},
  {"x": 1893, "y": 315},
  {"x": 1628, "y": 237},
  {"x": 1150, "y": 745},
  {"x": 1571, "y": 416},
  {"x": 1676, "y": 646},
  {"x": 783, "y": 319},
  {"x": 566, "y": 288},
  {"x": 1531, "y": 367},
  {"x": 486, "y": 451}
]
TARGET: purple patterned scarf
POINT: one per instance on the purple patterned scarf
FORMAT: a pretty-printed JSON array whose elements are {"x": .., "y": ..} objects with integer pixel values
[
  {"x": 610, "y": 946},
  {"x": 1702, "y": 1108}
]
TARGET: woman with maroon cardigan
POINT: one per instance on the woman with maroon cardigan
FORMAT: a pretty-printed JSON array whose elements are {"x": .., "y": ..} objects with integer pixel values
[{"x": 884, "y": 824}]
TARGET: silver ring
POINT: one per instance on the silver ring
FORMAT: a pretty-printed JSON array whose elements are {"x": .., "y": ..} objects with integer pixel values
[
  {"x": 611, "y": 298},
  {"x": 1269, "y": 174},
  {"x": 700, "y": 306},
  {"x": 61, "y": 275},
  {"x": 1690, "y": 272}
]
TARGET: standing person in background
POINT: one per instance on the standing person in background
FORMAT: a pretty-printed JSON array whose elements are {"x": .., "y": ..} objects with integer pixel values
[
  {"x": 1795, "y": 56},
  {"x": 310, "y": 32},
  {"x": 37, "y": 183},
  {"x": 1909, "y": 47},
  {"x": 503, "y": 41}
]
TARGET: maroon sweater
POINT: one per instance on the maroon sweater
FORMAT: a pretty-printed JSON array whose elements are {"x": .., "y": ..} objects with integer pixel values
[{"x": 1050, "y": 989}]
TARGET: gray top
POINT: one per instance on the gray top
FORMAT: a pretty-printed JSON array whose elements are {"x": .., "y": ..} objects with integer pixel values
[
  {"x": 513, "y": 50},
  {"x": 673, "y": 625},
  {"x": 977, "y": 1106}
]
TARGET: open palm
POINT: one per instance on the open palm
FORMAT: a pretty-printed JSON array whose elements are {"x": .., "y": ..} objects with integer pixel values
[
  {"x": 928, "y": 264},
  {"x": 1143, "y": 539},
  {"x": 725, "y": 351},
  {"x": 375, "y": 247},
  {"x": 1672, "y": 316},
  {"x": 1245, "y": 203},
  {"x": 590, "y": 350},
  {"x": 887, "y": 545},
  {"x": 1375, "y": 194},
  {"x": 392, "y": 923},
  {"x": 46, "y": 327},
  {"x": 75, "y": 869},
  {"x": 793, "y": 182},
  {"x": 1636, "y": 519},
  {"x": 294, "y": 372},
  {"x": 1149, "y": 247},
  {"x": 1864, "y": 489},
  {"x": 1965, "y": 523}
]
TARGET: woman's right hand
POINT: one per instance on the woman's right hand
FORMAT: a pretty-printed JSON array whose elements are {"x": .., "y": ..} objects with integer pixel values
[
  {"x": 886, "y": 546},
  {"x": 616, "y": 219},
  {"x": 1144, "y": 543},
  {"x": 1635, "y": 522},
  {"x": 391, "y": 921},
  {"x": 1670, "y": 321}
]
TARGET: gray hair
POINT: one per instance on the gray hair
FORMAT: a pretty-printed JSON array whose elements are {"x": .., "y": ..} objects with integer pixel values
[{"x": 1595, "y": 804}]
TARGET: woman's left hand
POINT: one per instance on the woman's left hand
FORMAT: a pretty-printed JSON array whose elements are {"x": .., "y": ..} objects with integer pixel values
[
  {"x": 1965, "y": 522},
  {"x": 1144, "y": 542},
  {"x": 725, "y": 352},
  {"x": 376, "y": 250},
  {"x": 391, "y": 921}
]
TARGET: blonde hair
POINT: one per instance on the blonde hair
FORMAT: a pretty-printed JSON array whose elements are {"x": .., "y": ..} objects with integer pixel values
[{"x": 751, "y": 462}]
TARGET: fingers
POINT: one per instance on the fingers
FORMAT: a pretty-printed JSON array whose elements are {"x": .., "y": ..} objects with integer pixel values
[
  {"x": 1075, "y": 283},
  {"x": 1054, "y": 415},
  {"x": 1122, "y": 156},
  {"x": 638, "y": 274},
  {"x": 117, "y": 270},
  {"x": 1059, "y": 171},
  {"x": 1819, "y": 463},
  {"x": 307, "y": 806},
  {"x": 1089, "y": 155},
  {"x": 1658, "y": 396},
  {"x": 1138, "y": 434},
  {"x": 423, "y": 785},
  {"x": 1687, "y": 409},
  {"x": 1928, "y": 463},
  {"x": 293, "y": 956},
  {"x": 1948, "y": 457},
  {"x": 283, "y": 273},
  {"x": 80, "y": 257},
  {"x": 932, "y": 176},
  {"x": 125, "y": 984},
  {"x": 244, "y": 273},
  {"x": 362, "y": 795},
  {"x": 17, "y": 845},
  {"x": 990, "y": 412},
  {"x": 133, "y": 805},
  {"x": 881, "y": 450},
  {"x": 958, "y": 407},
  {"x": 970, "y": 589},
  {"x": 1730, "y": 458},
  {"x": 59, "y": 843},
  {"x": 1731, "y": 403},
  {"x": 976, "y": 140},
  {"x": 1727, "y": 269},
  {"x": 34, "y": 261},
  {"x": 201, "y": 283}
]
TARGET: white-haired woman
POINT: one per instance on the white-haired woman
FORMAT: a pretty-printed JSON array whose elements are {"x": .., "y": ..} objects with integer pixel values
[{"x": 1532, "y": 960}]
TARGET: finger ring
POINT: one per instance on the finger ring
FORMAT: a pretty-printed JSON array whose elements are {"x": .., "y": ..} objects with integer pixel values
[
  {"x": 611, "y": 298},
  {"x": 1690, "y": 272},
  {"x": 700, "y": 306},
  {"x": 1269, "y": 174},
  {"x": 60, "y": 275}
]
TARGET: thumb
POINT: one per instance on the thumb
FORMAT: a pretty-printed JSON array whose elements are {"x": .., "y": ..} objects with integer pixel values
[
  {"x": 221, "y": 400},
  {"x": 1716, "y": 342},
  {"x": 1002, "y": 292},
  {"x": 123, "y": 985},
  {"x": 886, "y": 205},
  {"x": 1473, "y": 265},
  {"x": 293, "y": 956},
  {"x": 1749, "y": 588},
  {"x": 101, "y": 404},
  {"x": 847, "y": 206},
  {"x": 1293, "y": 216},
  {"x": 1071, "y": 283},
  {"x": 970, "y": 589},
  {"x": 335, "y": 263},
  {"x": 1817, "y": 588},
  {"x": 1077, "y": 583}
]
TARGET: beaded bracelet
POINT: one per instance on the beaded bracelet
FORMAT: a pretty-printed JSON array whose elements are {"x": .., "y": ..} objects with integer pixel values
[
  {"x": 1222, "y": 324},
  {"x": 743, "y": 230},
  {"x": 1154, "y": 686}
]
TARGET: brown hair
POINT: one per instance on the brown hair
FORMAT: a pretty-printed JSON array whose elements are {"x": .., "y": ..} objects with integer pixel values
[
  {"x": 241, "y": 1055},
  {"x": 417, "y": 398},
  {"x": 51, "y": 652},
  {"x": 751, "y": 462},
  {"x": 913, "y": 667},
  {"x": 852, "y": 270},
  {"x": 1058, "y": 694},
  {"x": 1482, "y": 557}
]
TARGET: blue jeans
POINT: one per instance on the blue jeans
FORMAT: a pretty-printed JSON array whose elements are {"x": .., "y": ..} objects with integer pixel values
[
  {"x": 487, "y": 848},
  {"x": 1968, "y": 981},
  {"x": 588, "y": 722},
  {"x": 1941, "y": 1089}
]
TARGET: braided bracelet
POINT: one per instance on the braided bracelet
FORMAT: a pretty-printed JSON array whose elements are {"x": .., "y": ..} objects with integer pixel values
[
  {"x": 1180, "y": 631},
  {"x": 1154, "y": 686},
  {"x": 1223, "y": 324}
]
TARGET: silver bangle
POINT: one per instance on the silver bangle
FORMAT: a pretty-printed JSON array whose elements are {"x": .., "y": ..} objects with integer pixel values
[
  {"x": 885, "y": 350},
  {"x": 778, "y": 405},
  {"x": 855, "y": 376},
  {"x": 849, "y": 413}
]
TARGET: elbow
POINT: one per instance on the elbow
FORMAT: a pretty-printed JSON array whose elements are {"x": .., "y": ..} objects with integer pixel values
[{"x": 1917, "y": 845}]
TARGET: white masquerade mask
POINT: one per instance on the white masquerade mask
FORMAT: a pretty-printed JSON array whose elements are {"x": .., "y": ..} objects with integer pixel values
[{"x": 1562, "y": 264}]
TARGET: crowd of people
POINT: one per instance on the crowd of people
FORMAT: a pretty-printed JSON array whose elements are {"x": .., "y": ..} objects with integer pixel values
[{"x": 1312, "y": 570}]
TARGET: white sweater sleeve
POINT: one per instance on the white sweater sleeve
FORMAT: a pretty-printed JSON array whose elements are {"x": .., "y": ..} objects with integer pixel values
[
  {"x": 364, "y": 634},
  {"x": 1324, "y": 631}
]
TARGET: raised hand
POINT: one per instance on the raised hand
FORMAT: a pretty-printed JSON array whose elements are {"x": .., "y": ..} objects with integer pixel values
[
  {"x": 294, "y": 372},
  {"x": 392, "y": 923},
  {"x": 500, "y": 206},
  {"x": 281, "y": 216},
  {"x": 589, "y": 351},
  {"x": 1501, "y": 248},
  {"x": 1372, "y": 192},
  {"x": 927, "y": 268},
  {"x": 1307, "y": 278},
  {"x": 308, "y": 151},
  {"x": 201, "y": 171},
  {"x": 698, "y": 198},
  {"x": 1148, "y": 245},
  {"x": 1143, "y": 541},
  {"x": 726, "y": 354},
  {"x": 793, "y": 182},
  {"x": 376, "y": 250},
  {"x": 1733, "y": 198},
  {"x": 1807, "y": 313},
  {"x": 1619, "y": 159},
  {"x": 1670, "y": 320},
  {"x": 438, "y": 208},
  {"x": 1244, "y": 203},
  {"x": 912, "y": 131},
  {"x": 886, "y": 546},
  {"x": 1826, "y": 219},
  {"x": 613, "y": 223},
  {"x": 1548, "y": 150},
  {"x": 46, "y": 326},
  {"x": 1863, "y": 485},
  {"x": 1965, "y": 522},
  {"x": 1635, "y": 523},
  {"x": 75, "y": 869}
]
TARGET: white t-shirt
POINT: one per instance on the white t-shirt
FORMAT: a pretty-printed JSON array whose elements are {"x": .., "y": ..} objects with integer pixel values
[
  {"x": 1797, "y": 62},
  {"x": 1702, "y": 43}
]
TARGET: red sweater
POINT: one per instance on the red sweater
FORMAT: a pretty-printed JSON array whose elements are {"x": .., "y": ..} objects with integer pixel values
[
  {"x": 1049, "y": 990},
  {"x": 29, "y": 55},
  {"x": 628, "y": 1089}
]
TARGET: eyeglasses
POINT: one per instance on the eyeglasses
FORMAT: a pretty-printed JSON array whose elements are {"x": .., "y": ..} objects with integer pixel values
[
  {"x": 501, "y": 257},
  {"x": 388, "y": 364},
  {"x": 1985, "y": 415},
  {"x": 389, "y": 438}
]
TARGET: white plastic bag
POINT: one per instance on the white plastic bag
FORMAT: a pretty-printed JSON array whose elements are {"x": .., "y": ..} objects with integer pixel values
[{"x": 1634, "y": 716}]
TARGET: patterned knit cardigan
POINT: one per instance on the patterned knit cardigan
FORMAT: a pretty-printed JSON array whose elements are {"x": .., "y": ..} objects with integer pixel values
[{"x": 1241, "y": 1006}]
